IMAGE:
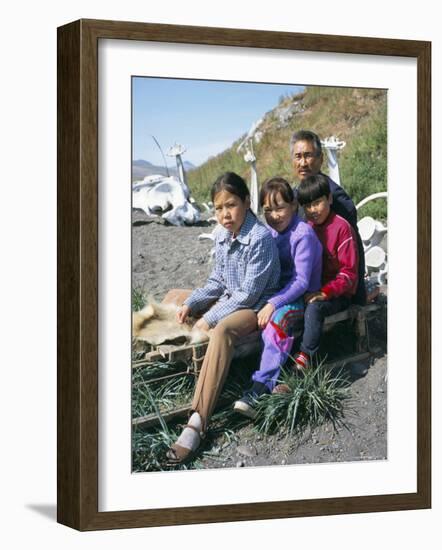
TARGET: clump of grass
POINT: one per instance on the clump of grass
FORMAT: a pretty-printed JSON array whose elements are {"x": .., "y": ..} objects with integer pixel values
[
  {"x": 149, "y": 450},
  {"x": 139, "y": 299},
  {"x": 149, "y": 396},
  {"x": 317, "y": 396},
  {"x": 151, "y": 370},
  {"x": 149, "y": 446}
]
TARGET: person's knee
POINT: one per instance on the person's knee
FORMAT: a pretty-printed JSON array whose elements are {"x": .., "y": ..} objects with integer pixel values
[
  {"x": 220, "y": 331},
  {"x": 234, "y": 327},
  {"x": 314, "y": 311}
]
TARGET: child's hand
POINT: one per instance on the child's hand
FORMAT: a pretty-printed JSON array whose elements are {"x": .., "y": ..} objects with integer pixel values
[
  {"x": 265, "y": 314},
  {"x": 182, "y": 314},
  {"x": 201, "y": 324},
  {"x": 314, "y": 297}
]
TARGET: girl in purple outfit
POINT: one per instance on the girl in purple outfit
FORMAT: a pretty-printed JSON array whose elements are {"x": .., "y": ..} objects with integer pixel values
[{"x": 300, "y": 254}]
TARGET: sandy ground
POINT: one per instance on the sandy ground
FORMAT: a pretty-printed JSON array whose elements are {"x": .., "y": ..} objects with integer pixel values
[{"x": 167, "y": 257}]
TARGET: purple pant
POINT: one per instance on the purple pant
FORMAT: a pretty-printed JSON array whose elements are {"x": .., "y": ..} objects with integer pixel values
[{"x": 278, "y": 337}]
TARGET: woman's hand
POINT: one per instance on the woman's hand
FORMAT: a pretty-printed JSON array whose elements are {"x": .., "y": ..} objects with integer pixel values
[
  {"x": 201, "y": 324},
  {"x": 311, "y": 297},
  {"x": 265, "y": 314},
  {"x": 182, "y": 314}
]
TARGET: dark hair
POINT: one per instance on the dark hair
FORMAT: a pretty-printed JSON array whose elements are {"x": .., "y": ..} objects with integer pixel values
[
  {"x": 306, "y": 135},
  {"x": 272, "y": 186},
  {"x": 312, "y": 188},
  {"x": 232, "y": 183}
]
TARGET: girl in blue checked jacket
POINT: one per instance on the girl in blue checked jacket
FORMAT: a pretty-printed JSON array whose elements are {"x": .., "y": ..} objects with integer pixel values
[{"x": 245, "y": 276}]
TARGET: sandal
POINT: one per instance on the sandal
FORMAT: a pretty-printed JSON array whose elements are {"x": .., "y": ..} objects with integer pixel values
[{"x": 177, "y": 454}]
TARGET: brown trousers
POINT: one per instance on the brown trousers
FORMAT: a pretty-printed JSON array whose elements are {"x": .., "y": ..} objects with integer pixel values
[
  {"x": 218, "y": 356},
  {"x": 217, "y": 360}
]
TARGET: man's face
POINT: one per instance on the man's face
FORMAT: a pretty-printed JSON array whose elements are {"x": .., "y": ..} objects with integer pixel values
[{"x": 306, "y": 162}]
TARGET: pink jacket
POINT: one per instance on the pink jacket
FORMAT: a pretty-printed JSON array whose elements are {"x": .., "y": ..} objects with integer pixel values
[{"x": 340, "y": 256}]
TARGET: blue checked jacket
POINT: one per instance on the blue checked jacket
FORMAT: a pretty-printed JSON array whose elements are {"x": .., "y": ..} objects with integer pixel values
[{"x": 245, "y": 276}]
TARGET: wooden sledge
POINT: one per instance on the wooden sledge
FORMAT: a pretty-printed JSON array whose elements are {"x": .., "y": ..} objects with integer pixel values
[{"x": 192, "y": 355}]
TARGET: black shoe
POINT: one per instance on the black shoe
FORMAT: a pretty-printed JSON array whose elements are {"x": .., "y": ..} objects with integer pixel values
[{"x": 245, "y": 405}]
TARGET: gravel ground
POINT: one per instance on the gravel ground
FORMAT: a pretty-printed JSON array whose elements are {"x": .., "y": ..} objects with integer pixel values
[{"x": 167, "y": 257}]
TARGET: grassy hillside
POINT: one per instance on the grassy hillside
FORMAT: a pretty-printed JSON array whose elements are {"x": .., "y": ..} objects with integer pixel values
[{"x": 357, "y": 116}]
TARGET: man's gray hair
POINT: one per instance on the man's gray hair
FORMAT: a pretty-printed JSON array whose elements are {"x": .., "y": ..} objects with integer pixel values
[{"x": 306, "y": 135}]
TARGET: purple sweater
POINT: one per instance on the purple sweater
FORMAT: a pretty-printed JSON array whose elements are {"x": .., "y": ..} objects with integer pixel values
[{"x": 300, "y": 254}]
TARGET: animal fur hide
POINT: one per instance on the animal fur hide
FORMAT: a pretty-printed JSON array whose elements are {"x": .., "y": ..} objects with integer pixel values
[{"x": 156, "y": 323}]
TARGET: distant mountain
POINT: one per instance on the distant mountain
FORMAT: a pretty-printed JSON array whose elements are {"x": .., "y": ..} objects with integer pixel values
[
  {"x": 142, "y": 168},
  {"x": 141, "y": 162}
]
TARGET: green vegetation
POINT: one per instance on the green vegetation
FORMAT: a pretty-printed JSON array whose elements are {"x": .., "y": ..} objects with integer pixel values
[
  {"x": 317, "y": 397},
  {"x": 313, "y": 398},
  {"x": 152, "y": 396},
  {"x": 357, "y": 116},
  {"x": 139, "y": 299},
  {"x": 201, "y": 178},
  {"x": 171, "y": 393},
  {"x": 156, "y": 397},
  {"x": 364, "y": 164}
]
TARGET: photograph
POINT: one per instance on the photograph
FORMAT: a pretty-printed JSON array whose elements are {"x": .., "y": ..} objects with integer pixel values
[
  {"x": 233, "y": 272},
  {"x": 229, "y": 231},
  {"x": 259, "y": 243}
]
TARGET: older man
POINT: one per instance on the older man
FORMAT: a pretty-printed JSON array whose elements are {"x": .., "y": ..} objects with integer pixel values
[{"x": 307, "y": 158}]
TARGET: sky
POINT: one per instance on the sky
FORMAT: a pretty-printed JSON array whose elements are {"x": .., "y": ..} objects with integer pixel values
[{"x": 206, "y": 117}]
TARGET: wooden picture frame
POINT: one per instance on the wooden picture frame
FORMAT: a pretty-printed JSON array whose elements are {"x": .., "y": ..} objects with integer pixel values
[{"x": 77, "y": 225}]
